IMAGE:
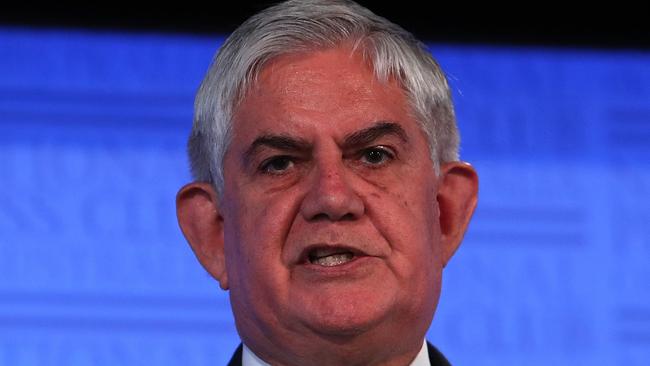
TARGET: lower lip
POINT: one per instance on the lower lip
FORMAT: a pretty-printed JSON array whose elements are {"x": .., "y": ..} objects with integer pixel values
[{"x": 357, "y": 266}]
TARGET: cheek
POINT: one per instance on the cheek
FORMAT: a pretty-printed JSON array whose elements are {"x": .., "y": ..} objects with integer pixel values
[
  {"x": 409, "y": 214},
  {"x": 255, "y": 231},
  {"x": 407, "y": 218}
]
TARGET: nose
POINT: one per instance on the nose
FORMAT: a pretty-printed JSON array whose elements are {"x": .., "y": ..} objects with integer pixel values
[{"x": 330, "y": 196}]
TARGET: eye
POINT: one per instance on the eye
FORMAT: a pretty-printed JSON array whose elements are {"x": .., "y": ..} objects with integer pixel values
[
  {"x": 376, "y": 156},
  {"x": 276, "y": 164}
]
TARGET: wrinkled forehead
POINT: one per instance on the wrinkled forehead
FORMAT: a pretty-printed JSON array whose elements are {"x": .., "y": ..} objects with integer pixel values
[
  {"x": 326, "y": 86},
  {"x": 354, "y": 49},
  {"x": 297, "y": 75}
]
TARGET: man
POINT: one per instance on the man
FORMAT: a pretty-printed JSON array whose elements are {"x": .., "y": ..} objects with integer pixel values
[{"x": 328, "y": 193}]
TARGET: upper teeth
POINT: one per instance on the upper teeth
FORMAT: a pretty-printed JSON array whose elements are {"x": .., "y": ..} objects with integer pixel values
[
  {"x": 332, "y": 259},
  {"x": 330, "y": 256}
]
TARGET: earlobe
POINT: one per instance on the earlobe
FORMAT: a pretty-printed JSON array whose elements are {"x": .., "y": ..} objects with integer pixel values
[
  {"x": 200, "y": 220},
  {"x": 457, "y": 198}
]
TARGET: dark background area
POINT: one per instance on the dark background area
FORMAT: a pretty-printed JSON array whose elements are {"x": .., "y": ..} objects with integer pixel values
[{"x": 615, "y": 25}]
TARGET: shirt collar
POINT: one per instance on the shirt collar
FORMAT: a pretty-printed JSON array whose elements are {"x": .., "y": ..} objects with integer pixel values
[
  {"x": 422, "y": 359},
  {"x": 250, "y": 359}
]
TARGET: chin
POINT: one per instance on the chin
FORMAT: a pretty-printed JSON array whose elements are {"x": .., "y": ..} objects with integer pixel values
[
  {"x": 342, "y": 327},
  {"x": 346, "y": 317}
]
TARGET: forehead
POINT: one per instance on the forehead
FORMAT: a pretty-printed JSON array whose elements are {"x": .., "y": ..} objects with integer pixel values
[{"x": 326, "y": 88}]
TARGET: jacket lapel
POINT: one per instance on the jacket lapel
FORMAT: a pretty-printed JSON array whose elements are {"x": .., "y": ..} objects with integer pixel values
[
  {"x": 435, "y": 357},
  {"x": 236, "y": 357}
]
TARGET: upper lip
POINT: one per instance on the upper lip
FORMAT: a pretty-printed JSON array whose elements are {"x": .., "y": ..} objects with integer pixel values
[{"x": 333, "y": 248}]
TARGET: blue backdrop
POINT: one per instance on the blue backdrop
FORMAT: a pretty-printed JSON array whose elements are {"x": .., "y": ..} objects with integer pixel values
[{"x": 555, "y": 268}]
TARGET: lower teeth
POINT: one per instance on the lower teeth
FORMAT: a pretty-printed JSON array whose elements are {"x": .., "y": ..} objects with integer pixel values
[{"x": 333, "y": 260}]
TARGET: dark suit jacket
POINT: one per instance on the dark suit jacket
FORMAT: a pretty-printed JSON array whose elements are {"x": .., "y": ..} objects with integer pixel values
[{"x": 435, "y": 357}]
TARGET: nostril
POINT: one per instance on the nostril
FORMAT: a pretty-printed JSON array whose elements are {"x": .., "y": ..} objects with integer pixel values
[
  {"x": 320, "y": 216},
  {"x": 333, "y": 216}
]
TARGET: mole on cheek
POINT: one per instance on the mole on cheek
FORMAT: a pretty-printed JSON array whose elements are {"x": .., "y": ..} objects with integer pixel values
[{"x": 400, "y": 198}]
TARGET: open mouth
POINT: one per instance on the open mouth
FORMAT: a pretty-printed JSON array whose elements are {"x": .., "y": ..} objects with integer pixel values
[{"x": 330, "y": 256}]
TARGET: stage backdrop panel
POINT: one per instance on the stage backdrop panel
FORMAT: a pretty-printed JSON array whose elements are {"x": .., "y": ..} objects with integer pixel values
[{"x": 555, "y": 268}]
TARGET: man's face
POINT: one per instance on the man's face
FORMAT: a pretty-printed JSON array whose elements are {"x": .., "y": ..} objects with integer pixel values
[
  {"x": 333, "y": 228},
  {"x": 329, "y": 206}
]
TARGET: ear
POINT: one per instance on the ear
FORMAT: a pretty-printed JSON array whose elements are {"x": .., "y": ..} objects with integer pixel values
[
  {"x": 457, "y": 198},
  {"x": 200, "y": 220}
]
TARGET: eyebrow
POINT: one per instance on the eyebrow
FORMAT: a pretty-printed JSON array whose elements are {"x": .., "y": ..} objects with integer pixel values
[
  {"x": 357, "y": 138},
  {"x": 372, "y": 133},
  {"x": 279, "y": 142}
]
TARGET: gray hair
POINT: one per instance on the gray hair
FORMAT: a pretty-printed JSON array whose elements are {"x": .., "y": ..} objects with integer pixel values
[{"x": 300, "y": 26}]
